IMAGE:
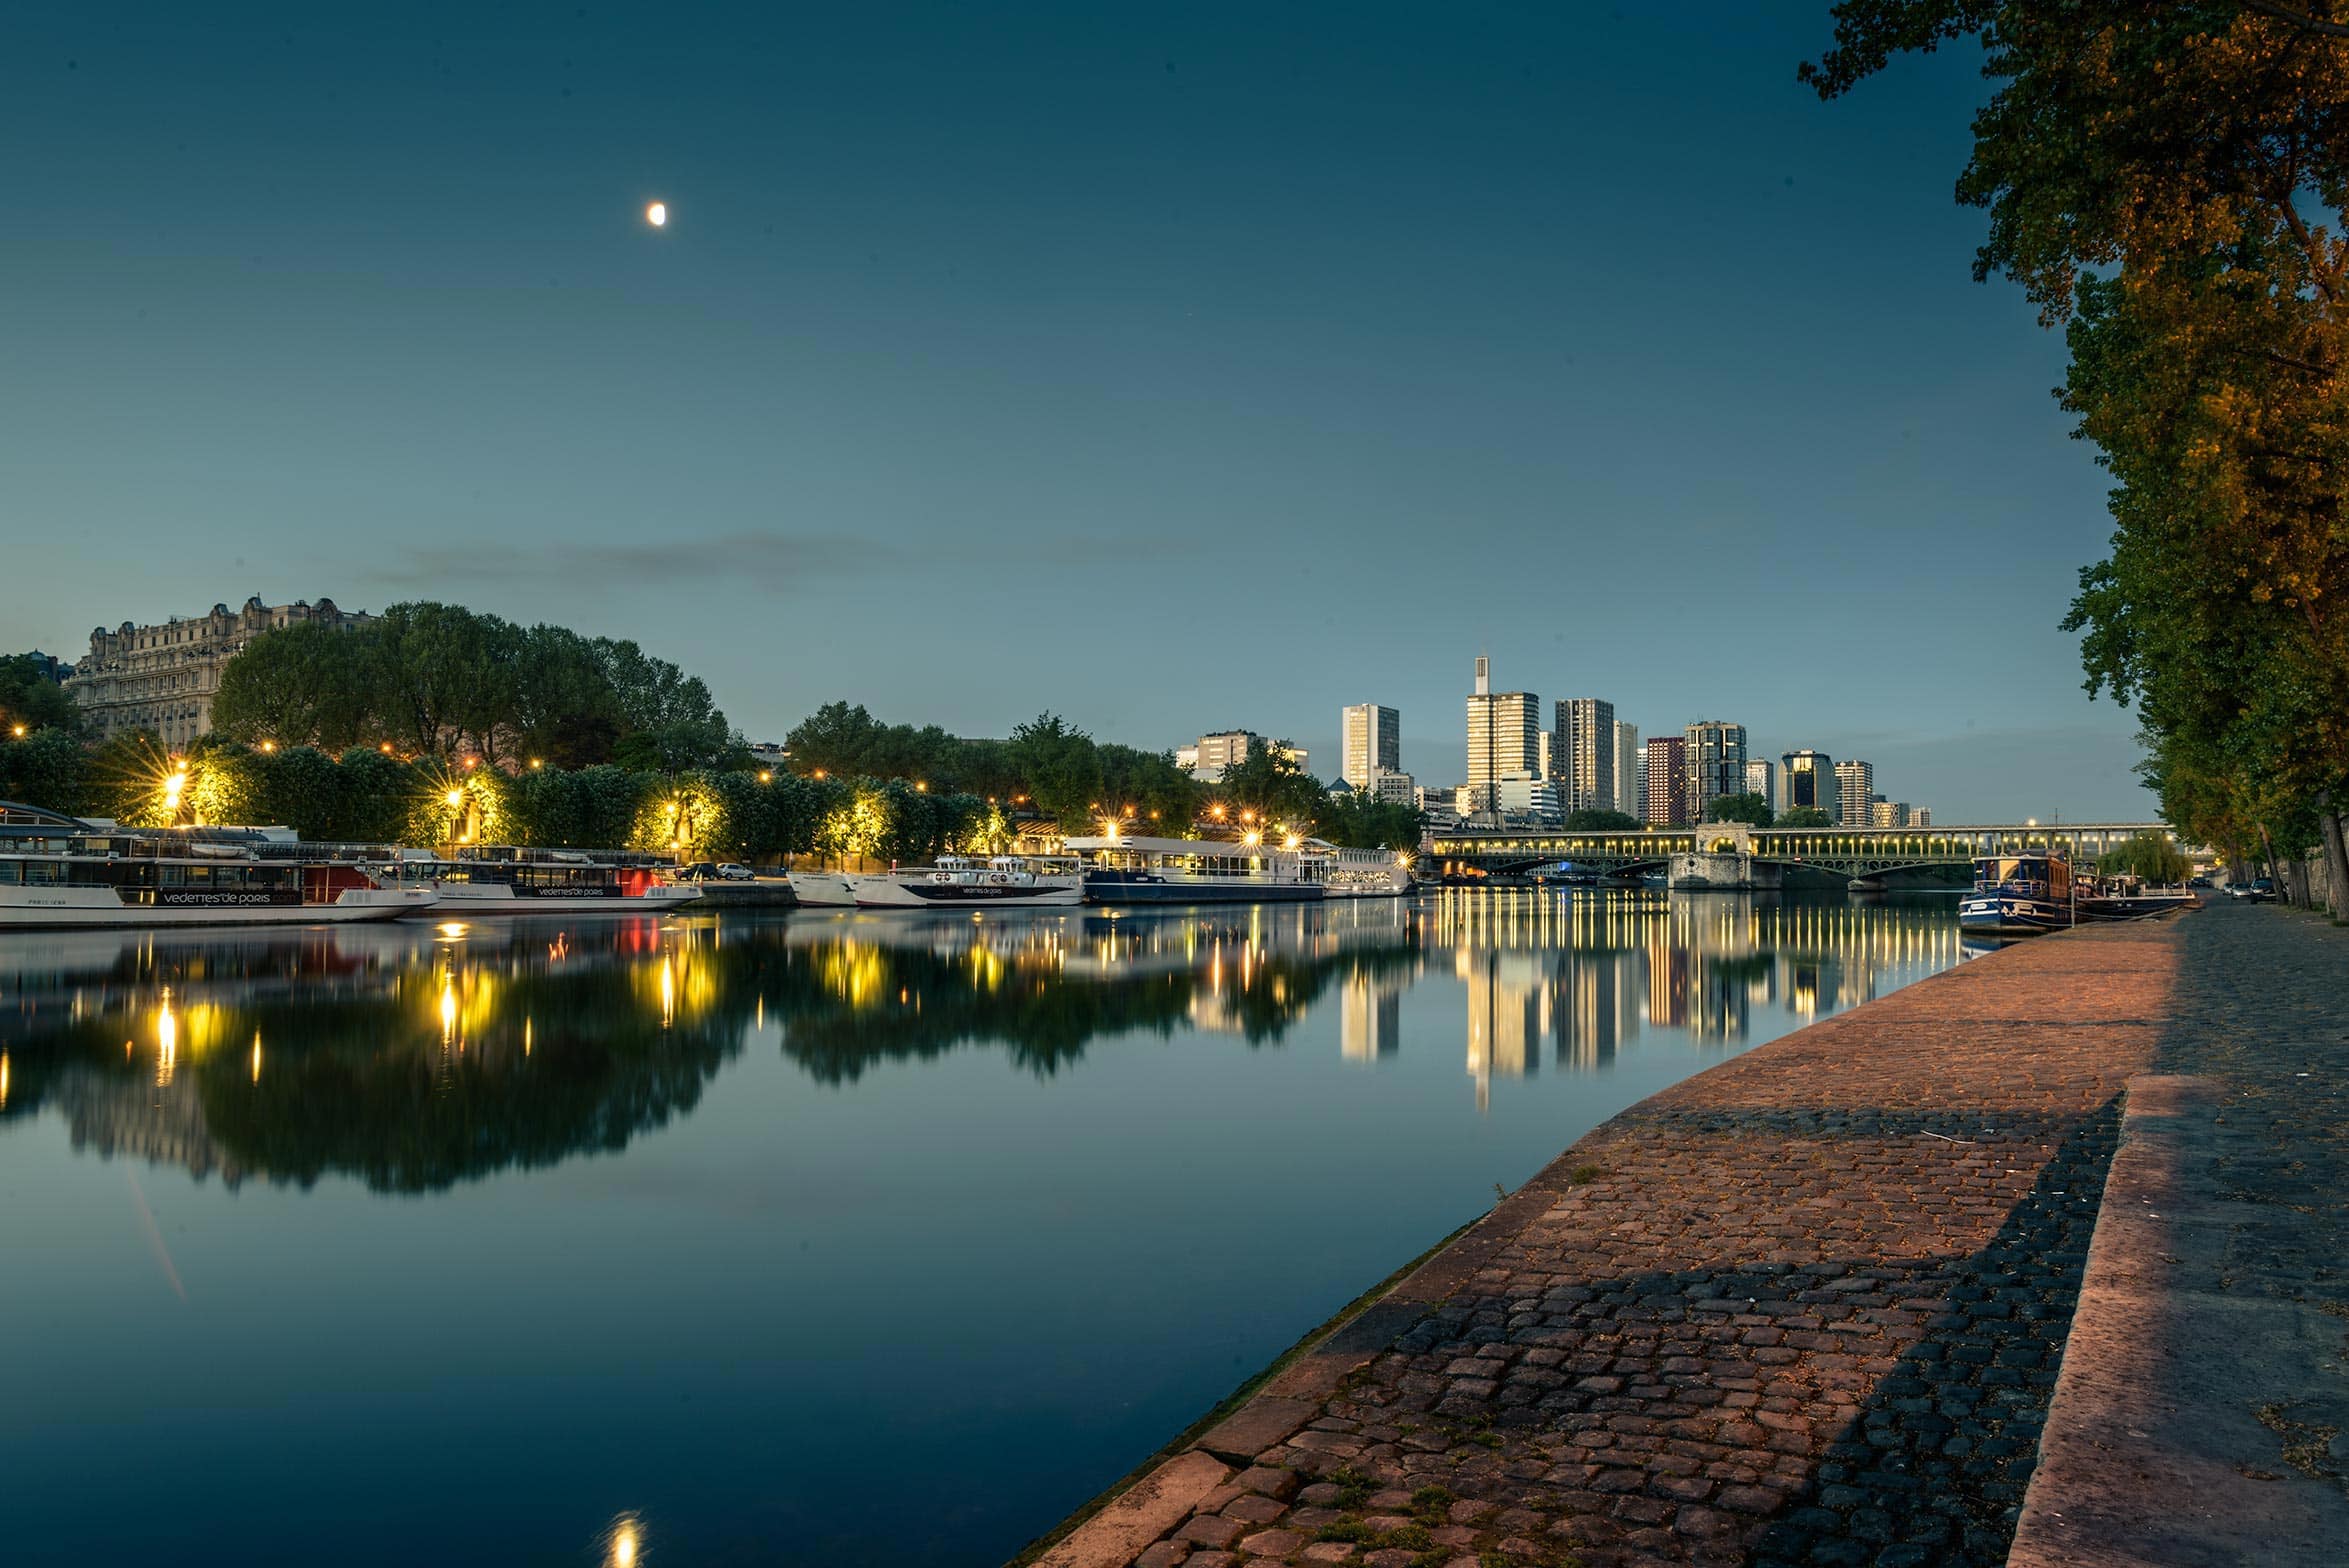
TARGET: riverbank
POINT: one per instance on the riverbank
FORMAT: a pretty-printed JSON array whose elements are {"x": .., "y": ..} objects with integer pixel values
[{"x": 1808, "y": 1306}]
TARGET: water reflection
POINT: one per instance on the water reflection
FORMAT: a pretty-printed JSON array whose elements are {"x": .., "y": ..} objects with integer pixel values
[{"x": 414, "y": 1059}]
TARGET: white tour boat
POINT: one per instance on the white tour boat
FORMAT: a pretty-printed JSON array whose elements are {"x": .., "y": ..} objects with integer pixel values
[
  {"x": 823, "y": 889},
  {"x": 1129, "y": 870},
  {"x": 58, "y": 871},
  {"x": 959, "y": 882},
  {"x": 1363, "y": 873}
]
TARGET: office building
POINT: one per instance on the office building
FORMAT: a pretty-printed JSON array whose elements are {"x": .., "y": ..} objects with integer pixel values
[
  {"x": 1398, "y": 789},
  {"x": 1806, "y": 779},
  {"x": 1667, "y": 775},
  {"x": 163, "y": 678},
  {"x": 1225, "y": 749},
  {"x": 1531, "y": 795},
  {"x": 1884, "y": 813},
  {"x": 1855, "y": 784},
  {"x": 1919, "y": 817},
  {"x": 1504, "y": 737},
  {"x": 1630, "y": 783},
  {"x": 1585, "y": 753},
  {"x": 1371, "y": 743},
  {"x": 1761, "y": 778},
  {"x": 1714, "y": 758}
]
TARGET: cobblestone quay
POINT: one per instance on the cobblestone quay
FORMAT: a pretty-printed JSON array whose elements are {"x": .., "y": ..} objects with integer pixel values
[{"x": 1806, "y": 1307}]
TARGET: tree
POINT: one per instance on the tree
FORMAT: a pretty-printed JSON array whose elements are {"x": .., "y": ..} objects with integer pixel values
[
  {"x": 1062, "y": 770},
  {"x": 2149, "y": 857},
  {"x": 1598, "y": 819},
  {"x": 2168, "y": 183},
  {"x": 306, "y": 685},
  {"x": 1748, "y": 808},
  {"x": 1806, "y": 817},
  {"x": 29, "y": 698},
  {"x": 1357, "y": 819},
  {"x": 1271, "y": 785}
]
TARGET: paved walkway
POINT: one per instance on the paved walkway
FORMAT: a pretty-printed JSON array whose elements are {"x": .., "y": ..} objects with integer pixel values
[
  {"x": 1806, "y": 1307},
  {"x": 2206, "y": 1383}
]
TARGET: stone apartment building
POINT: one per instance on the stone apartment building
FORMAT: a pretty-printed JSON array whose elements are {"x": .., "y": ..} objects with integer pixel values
[{"x": 163, "y": 677}]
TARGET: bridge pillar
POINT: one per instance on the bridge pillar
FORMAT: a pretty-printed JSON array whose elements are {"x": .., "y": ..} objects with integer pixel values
[{"x": 1725, "y": 871}]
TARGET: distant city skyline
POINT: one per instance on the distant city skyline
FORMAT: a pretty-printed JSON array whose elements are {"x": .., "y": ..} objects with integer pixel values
[{"x": 1335, "y": 313}]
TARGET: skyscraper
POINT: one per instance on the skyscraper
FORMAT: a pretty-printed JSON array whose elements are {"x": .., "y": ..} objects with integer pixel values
[
  {"x": 1504, "y": 736},
  {"x": 1372, "y": 743},
  {"x": 1586, "y": 752},
  {"x": 1855, "y": 785},
  {"x": 1716, "y": 764},
  {"x": 1630, "y": 780},
  {"x": 1807, "y": 779},
  {"x": 1761, "y": 778},
  {"x": 1667, "y": 781}
]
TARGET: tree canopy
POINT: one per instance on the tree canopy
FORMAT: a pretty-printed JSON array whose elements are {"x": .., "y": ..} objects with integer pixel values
[
  {"x": 1601, "y": 819},
  {"x": 2168, "y": 184},
  {"x": 438, "y": 679},
  {"x": 1748, "y": 807}
]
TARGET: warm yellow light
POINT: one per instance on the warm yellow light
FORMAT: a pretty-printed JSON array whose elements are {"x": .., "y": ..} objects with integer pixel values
[
  {"x": 922, "y": 785},
  {"x": 1251, "y": 837},
  {"x": 765, "y": 777},
  {"x": 448, "y": 1011},
  {"x": 17, "y": 730},
  {"x": 657, "y": 214},
  {"x": 269, "y": 745},
  {"x": 451, "y": 928},
  {"x": 453, "y": 799},
  {"x": 173, "y": 787},
  {"x": 1291, "y": 842},
  {"x": 819, "y": 773},
  {"x": 535, "y": 763},
  {"x": 385, "y": 748}
]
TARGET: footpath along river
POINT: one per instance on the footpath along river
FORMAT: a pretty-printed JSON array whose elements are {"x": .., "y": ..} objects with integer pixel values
[{"x": 716, "y": 1239}]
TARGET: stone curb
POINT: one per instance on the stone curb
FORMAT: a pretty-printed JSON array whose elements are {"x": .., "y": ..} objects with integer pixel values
[{"x": 2140, "y": 1462}]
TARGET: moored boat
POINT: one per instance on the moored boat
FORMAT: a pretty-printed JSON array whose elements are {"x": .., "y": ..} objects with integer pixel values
[
  {"x": 1362, "y": 873},
  {"x": 505, "y": 881},
  {"x": 62, "y": 872},
  {"x": 960, "y": 882},
  {"x": 2127, "y": 898},
  {"x": 823, "y": 889},
  {"x": 2018, "y": 895},
  {"x": 1128, "y": 870}
]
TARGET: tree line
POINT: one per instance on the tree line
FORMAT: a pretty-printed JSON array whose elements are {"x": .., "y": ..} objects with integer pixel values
[
  {"x": 2167, "y": 184},
  {"x": 439, "y": 679}
]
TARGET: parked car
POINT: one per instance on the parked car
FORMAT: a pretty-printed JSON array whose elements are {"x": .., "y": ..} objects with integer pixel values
[
  {"x": 734, "y": 871},
  {"x": 2198, "y": 881},
  {"x": 2259, "y": 890},
  {"x": 698, "y": 871}
]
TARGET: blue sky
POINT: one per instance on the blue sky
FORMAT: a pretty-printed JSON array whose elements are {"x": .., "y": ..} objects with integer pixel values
[{"x": 1173, "y": 368}]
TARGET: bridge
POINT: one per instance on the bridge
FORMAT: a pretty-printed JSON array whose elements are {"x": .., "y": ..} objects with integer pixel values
[{"x": 1932, "y": 854}]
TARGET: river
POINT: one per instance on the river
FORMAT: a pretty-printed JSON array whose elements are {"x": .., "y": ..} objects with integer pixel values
[{"x": 807, "y": 1238}]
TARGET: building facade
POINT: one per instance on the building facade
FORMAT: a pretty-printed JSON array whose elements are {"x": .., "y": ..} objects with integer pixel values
[
  {"x": 1761, "y": 778},
  {"x": 1807, "y": 779},
  {"x": 1630, "y": 776},
  {"x": 1225, "y": 749},
  {"x": 1667, "y": 770},
  {"x": 1504, "y": 737},
  {"x": 1371, "y": 743},
  {"x": 1884, "y": 813},
  {"x": 1396, "y": 789},
  {"x": 1530, "y": 795},
  {"x": 1715, "y": 760},
  {"x": 163, "y": 677},
  {"x": 1855, "y": 785},
  {"x": 1585, "y": 752}
]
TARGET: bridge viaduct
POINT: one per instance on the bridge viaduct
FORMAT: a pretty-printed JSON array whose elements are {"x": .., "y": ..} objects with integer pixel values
[{"x": 1933, "y": 854}]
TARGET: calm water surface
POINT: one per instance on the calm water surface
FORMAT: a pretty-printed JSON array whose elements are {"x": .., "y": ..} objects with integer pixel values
[{"x": 812, "y": 1238}]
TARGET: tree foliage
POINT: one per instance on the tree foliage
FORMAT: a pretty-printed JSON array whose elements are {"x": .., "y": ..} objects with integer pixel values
[
  {"x": 29, "y": 698},
  {"x": 1749, "y": 808},
  {"x": 438, "y": 679},
  {"x": 1805, "y": 817},
  {"x": 2168, "y": 183},
  {"x": 1601, "y": 819},
  {"x": 1357, "y": 819}
]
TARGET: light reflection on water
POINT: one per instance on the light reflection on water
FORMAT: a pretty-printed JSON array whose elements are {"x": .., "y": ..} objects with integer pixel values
[{"x": 695, "y": 1218}]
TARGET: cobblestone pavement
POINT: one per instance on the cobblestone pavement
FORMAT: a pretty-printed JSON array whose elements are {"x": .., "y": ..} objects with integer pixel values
[{"x": 1803, "y": 1308}]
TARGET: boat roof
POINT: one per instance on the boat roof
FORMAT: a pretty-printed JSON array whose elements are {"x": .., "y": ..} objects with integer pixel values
[{"x": 1169, "y": 846}]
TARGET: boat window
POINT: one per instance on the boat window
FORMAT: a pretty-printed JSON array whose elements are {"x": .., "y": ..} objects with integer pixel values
[{"x": 9, "y": 873}]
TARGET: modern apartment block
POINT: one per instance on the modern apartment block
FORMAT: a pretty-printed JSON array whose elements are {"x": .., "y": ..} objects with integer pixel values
[
  {"x": 1371, "y": 743},
  {"x": 163, "y": 677},
  {"x": 1667, "y": 772},
  {"x": 1761, "y": 778},
  {"x": 1585, "y": 752},
  {"x": 1715, "y": 761},
  {"x": 1855, "y": 784},
  {"x": 1807, "y": 779},
  {"x": 1504, "y": 737}
]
